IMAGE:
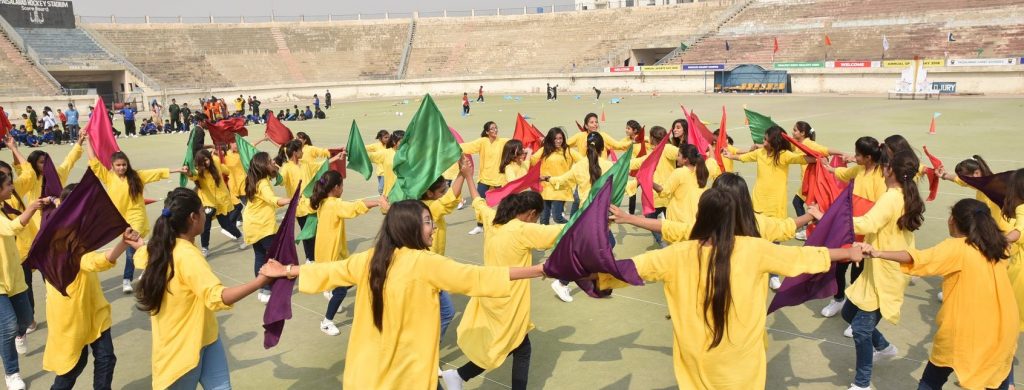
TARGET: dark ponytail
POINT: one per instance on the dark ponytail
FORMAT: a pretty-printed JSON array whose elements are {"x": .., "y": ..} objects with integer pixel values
[
  {"x": 402, "y": 228},
  {"x": 973, "y": 219},
  {"x": 304, "y": 138},
  {"x": 9, "y": 172},
  {"x": 259, "y": 168},
  {"x": 181, "y": 203},
  {"x": 135, "y": 185},
  {"x": 1014, "y": 194},
  {"x": 716, "y": 225},
  {"x": 693, "y": 157},
  {"x": 971, "y": 165},
  {"x": 487, "y": 125},
  {"x": 509, "y": 153},
  {"x": 904, "y": 165},
  {"x": 516, "y": 204},
  {"x": 806, "y": 129},
  {"x": 323, "y": 187},
  {"x": 203, "y": 158},
  {"x": 746, "y": 223},
  {"x": 395, "y": 138},
  {"x": 288, "y": 150},
  {"x": 868, "y": 147},
  {"x": 595, "y": 146},
  {"x": 773, "y": 138}
]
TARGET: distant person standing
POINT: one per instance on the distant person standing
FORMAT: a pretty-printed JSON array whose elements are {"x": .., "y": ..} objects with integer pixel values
[
  {"x": 156, "y": 108},
  {"x": 327, "y": 100},
  {"x": 255, "y": 105},
  {"x": 480, "y": 95},
  {"x": 598, "y": 92},
  {"x": 186, "y": 115},
  {"x": 554, "y": 93},
  {"x": 175, "y": 112},
  {"x": 465, "y": 104},
  {"x": 129, "y": 120},
  {"x": 548, "y": 88},
  {"x": 316, "y": 102},
  {"x": 240, "y": 105},
  {"x": 72, "y": 121}
]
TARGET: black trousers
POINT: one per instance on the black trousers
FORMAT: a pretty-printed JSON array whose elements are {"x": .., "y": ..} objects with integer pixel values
[{"x": 520, "y": 366}]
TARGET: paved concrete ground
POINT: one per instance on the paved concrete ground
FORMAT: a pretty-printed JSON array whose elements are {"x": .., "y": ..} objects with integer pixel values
[{"x": 618, "y": 343}]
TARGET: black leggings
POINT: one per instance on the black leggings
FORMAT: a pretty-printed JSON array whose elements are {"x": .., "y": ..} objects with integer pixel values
[
  {"x": 841, "y": 278},
  {"x": 934, "y": 377},
  {"x": 520, "y": 366}
]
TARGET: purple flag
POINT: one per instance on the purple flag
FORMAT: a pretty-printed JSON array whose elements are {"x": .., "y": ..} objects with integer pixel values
[
  {"x": 282, "y": 249},
  {"x": 993, "y": 186},
  {"x": 584, "y": 249},
  {"x": 51, "y": 183},
  {"x": 835, "y": 230},
  {"x": 84, "y": 222}
]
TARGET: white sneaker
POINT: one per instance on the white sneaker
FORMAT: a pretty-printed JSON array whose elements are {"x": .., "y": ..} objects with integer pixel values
[
  {"x": 126, "y": 286},
  {"x": 238, "y": 224},
  {"x": 801, "y": 235},
  {"x": 31, "y": 328},
  {"x": 19, "y": 345},
  {"x": 263, "y": 297},
  {"x": 940, "y": 296},
  {"x": 833, "y": 308},
  {"x": 561, "y": 291},
  {"x": 241, "y": 244},
  {"x": 327, "y": 295},
  {"x": 848, "y": 332},
  {"x": 328, "y": 327},
  {"x": 228, "y": 234},
  {"x": 206, "y": 251},
  {"x": 14, "y": 382},
  {"x": 439, "y": 372},
  {"x": 452, "y": 380},
  {"x": 855, "y": 387},
  {"x": 885, "y": 354},
  {"x": 774, "y": 282},
  {"x": 476, "y": 230},
  {"x": 462, "y": 203}
]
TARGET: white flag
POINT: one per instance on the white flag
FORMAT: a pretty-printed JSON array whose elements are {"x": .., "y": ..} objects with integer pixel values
[{"x": 885, "y": 43}]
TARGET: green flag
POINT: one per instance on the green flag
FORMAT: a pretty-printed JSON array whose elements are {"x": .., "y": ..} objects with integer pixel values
[
  {"x": 309, "y": 229},
  {"x": 358, "y": 160},
  {"x": 245, "y": 153},
  {"x": 427, "y": 150},
  {"x": 758, "y": 124},
  {"x": 189, "y": 160},
  {"x": 618, "y": 174},
  {"x": 308, "y": 191}
]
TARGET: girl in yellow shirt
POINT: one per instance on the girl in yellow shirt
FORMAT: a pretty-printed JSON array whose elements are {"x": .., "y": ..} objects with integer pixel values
[
  {"x": 679, "y": 132},
  {"x": 382, "y": 143},
  {"x": 878, "y": 293},
  {"x": 489, "y": 147},
  {"x": 635, "y": 134},
  {"x": 395, "y": 330},
  {"x": 977, "y": 324},
  {"x": 259, "y": 217},
  {"x": 125, "y": 186},
  {"x": 555, "y": 158},
  {"x": 1013, "y": 211},
  {"x": 805, "y": 135},
  {"x": 719, "y": 331},
  {"x": 685, "y": 184},
  {"x": 181, "y": 293},
  {"x": 217, "y": 199},
  {"x": 493, "y": 328},
  {"x": 311, "y": 154},
  {"x": 515, "y": 161},
  {"x": 236, "y": 174},
  {"x": 385, "y": 159},
  {"x": 976, "y": 167},
  {"x": 773, "y": 161},
  {"x": 297, "y": 170},
  {"x": 331, "y": 214},
  {"x": 15, "y": 311}
]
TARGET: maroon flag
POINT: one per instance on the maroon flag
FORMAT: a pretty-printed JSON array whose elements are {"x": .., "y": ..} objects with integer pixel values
[
  {"x": 224, "y": 130},
  {"x": 338, "y": 166},
  {"x": 529, "y": 181},
  {"x": 835, "y": 230},
  {"x": 85, "y": 221},
  {"x": 993, "y": 186},
  {"x": 282, "y": 249},
  {"x": 277, "y": 131},
  {"x": 933, "y": 178},
  {"x": 584, "y": 249}
]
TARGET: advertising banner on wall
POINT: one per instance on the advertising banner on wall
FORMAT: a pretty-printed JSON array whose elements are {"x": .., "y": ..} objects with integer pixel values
[
  {"x": 928, "y": 63},
  {"x": 38, "y": 13},
  {"x": 981, "y": 61},
  {"x": 659, "y": 68},
  {"x": 797, "y": 65},
  {"x": 621, "y": 69},
  {"x": 703, "y": 66},
  {"x": 849, "y": 64}
]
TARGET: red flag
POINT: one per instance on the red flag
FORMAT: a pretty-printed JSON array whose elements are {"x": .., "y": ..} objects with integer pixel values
[
  {"x": 645, "y": 176},
  {"x": 775, "y": 49},
  {"x": 337, "y": 166},
  {"x": 933, "y": 178},
  {"x": 721, "y": 142},
  {"x": 696, "y": 133},
  {"x": 838, "y": 162},
  {"x": 527, "y": 133},
  {"x": 579, "y": 126},
  {"x": 643, "y": 148},
  {"x": 458, "y": 137},
  {"x": 819, "y": 184},
  {"x": 5, "y": 124},
  {"x": 224, "y": 130},
  {"x": 828, "y": 42},
  {"x": 277, "y": 131},
  {"x": 101, "y": 134},
  {"x": 531, "y": 181}
]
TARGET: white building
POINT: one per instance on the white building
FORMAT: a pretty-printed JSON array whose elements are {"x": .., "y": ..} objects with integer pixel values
[{"x": 605, "y": 4}]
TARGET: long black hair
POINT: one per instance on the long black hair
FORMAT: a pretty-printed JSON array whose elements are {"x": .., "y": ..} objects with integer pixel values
[
  {"x": 549, "y": 144},
  {"x": 509, "y": 152},
  {"x": 259, "y": 168},
  {"x": 1014, "y": 194},
  {"x": 676, "y": 141},
  {"x": 402, "y": 228},
  {"x": 716, "y": 225},
  {"x": 595, "y": 146},
  {"x": 179, "y": 206},
  {"x": 395, "y": 138},
  {"x": 693, "y": 157},
  {"x": 304, "y": 138},
  {"x": 6, "y": 169},
  {"x": 204, "y": 164},
  {"x": 897, "y": 143},
  {"x": 323, "y": 187},
  {"x": 381, "y": 133},
  {"x": 33, "y": 159},
  {"x": 516, "y": 204},
  {"x": 868, "y": 147},
  {"x": 288, "y": 150},
  {"x": 746, "y": 223},
  {"x": 135, "y": 185},
  {"x": 973, "y": 164},
  {"x": 973, "y": 219},
  {"x": 904, "y": 165},
  {"x": 776, "y": 144}
]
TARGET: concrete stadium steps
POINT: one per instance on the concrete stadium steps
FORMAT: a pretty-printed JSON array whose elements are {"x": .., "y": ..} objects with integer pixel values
[
  {"x": 18, "y": 76},
  {"x": 856, "y": 29},
  {"x": 62, "y": 46}
]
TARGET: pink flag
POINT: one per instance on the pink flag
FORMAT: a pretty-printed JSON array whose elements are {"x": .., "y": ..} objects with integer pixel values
[
  {"x": 645, "y": 176},
  {"x": 531, "y": 180},
  {"x": 722, "y": 142},
  {"x": 697, "y": 134},
  {"x": 101, "y": 134}
]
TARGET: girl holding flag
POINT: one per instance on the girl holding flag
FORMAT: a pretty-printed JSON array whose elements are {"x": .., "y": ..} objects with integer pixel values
[
  {"x": 381, "y": 144},
  {"x": 806, "y": 136},
  {"x": 311, "y": 154},
  {"x": 515, "y": 161},
  {"x": 295, "y": 169},
  {"x": 331, "y": 213},
  {"x": 685, "y": 184},
  {"x": 1013, "y": 211},
  {"x": 217, "y": 199},
  {"x": 489, "y": 147},
  {"x": 555, "y": 158},
  {"x": 258, "y": 217},
  {"x": 773, "y": 161}
]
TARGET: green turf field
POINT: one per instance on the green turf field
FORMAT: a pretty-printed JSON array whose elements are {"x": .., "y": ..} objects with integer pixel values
[{"x": 619, "y": 343}]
